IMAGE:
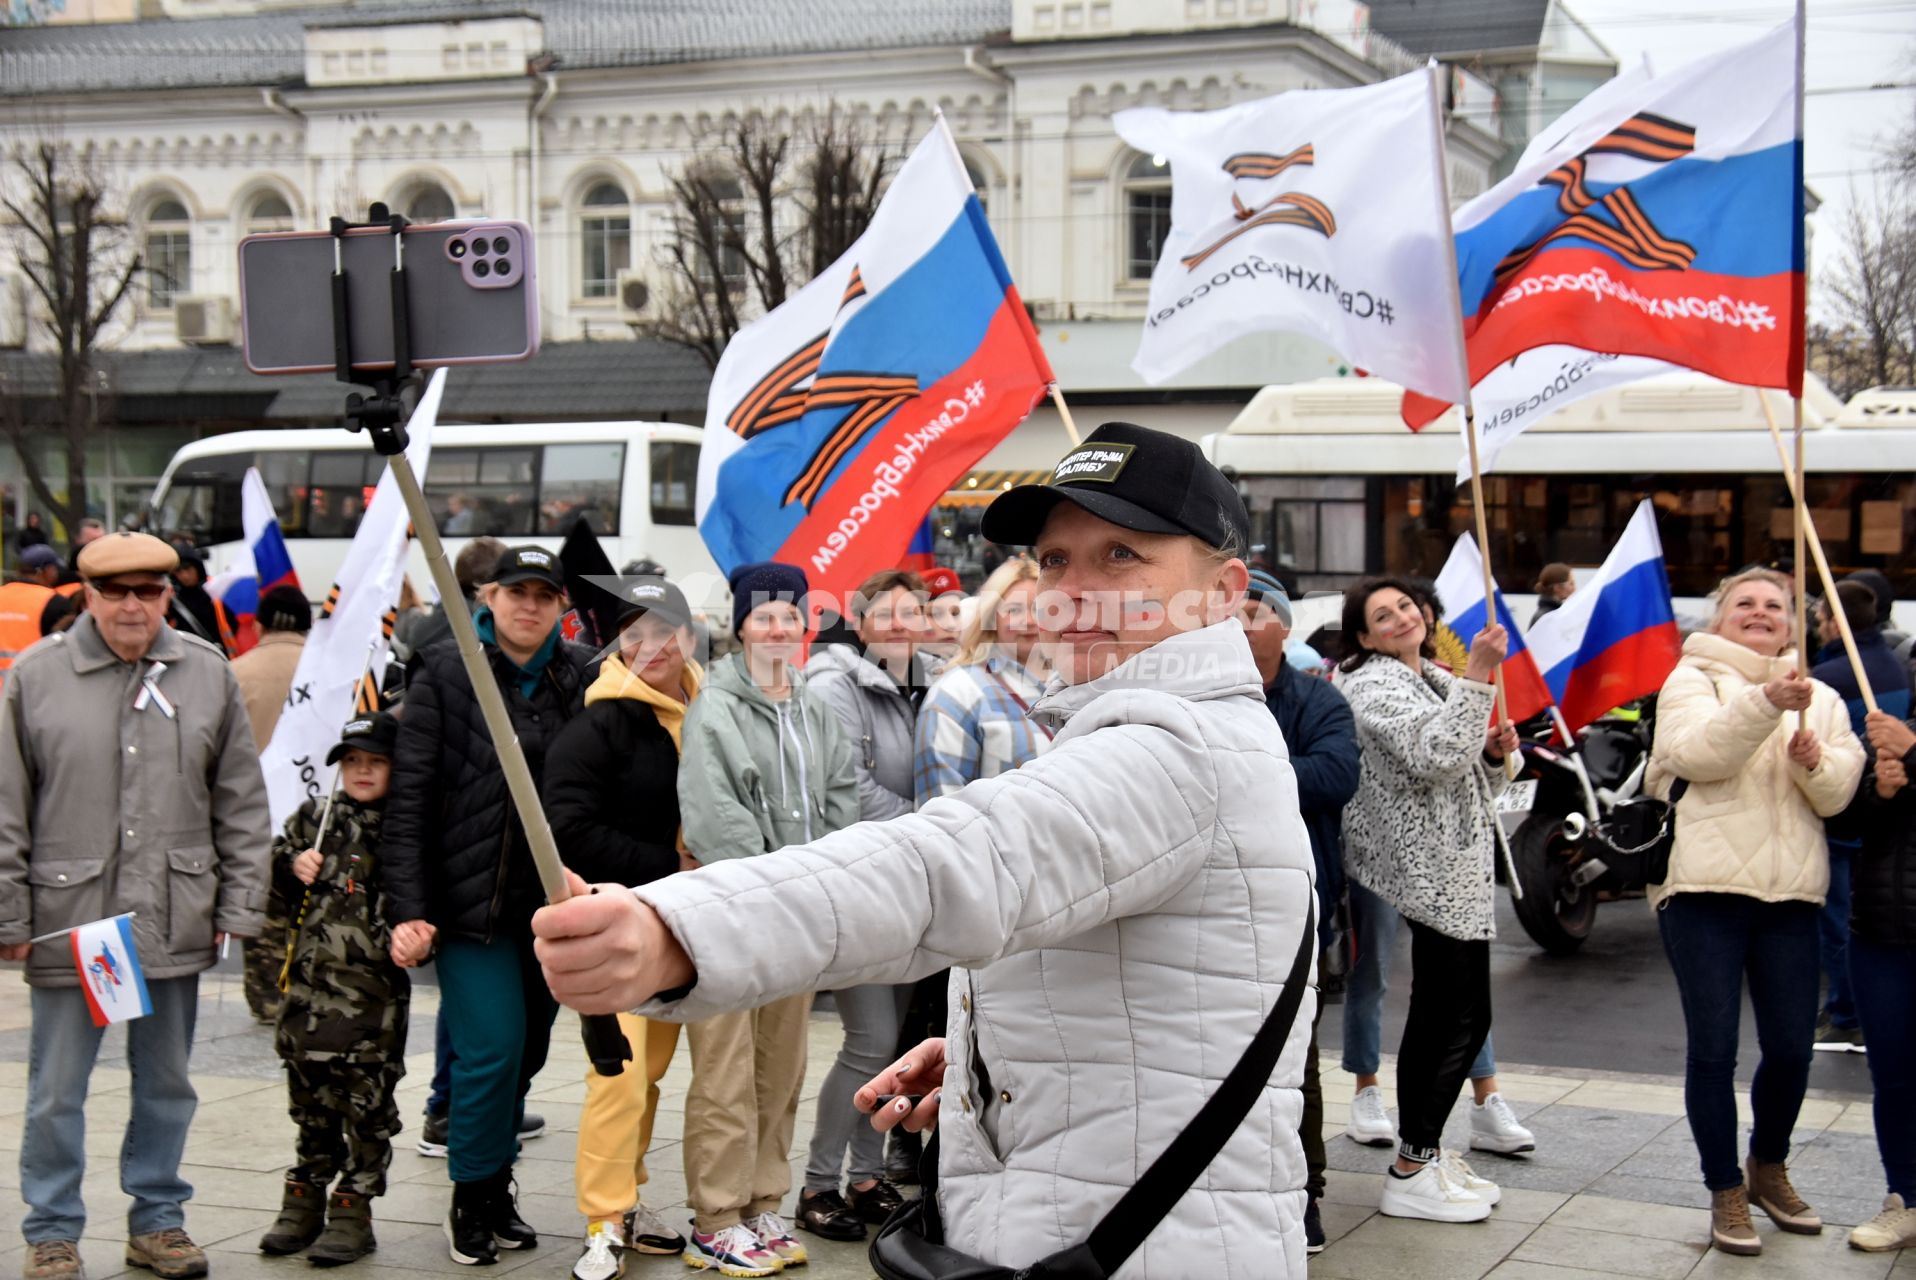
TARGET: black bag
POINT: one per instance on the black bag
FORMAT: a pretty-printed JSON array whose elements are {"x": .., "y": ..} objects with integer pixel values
[{"x": 911, "y": 1244}]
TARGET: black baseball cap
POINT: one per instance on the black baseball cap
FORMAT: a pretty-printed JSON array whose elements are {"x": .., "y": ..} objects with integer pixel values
[
  {"x": 1136, "y": 478},
  {"x": 374, "y": 733},
  {"x": 652, "y": 595},
  {"x": 529, "y": 564}
]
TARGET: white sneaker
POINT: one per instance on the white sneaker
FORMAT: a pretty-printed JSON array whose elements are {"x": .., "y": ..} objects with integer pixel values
[
  {"x": 647, "y": 1232},
  {"x": 1370, "y": 1123},
  {"x": 1460, "y": 1172},
  {"x": 1432, "y": 1195},
  {"x": 1893, "y": 1228},
  {"x": 604, "y": 1255},
  {"x": 776, "y": 1234},
  {"x": 1494, "y": 1127}
]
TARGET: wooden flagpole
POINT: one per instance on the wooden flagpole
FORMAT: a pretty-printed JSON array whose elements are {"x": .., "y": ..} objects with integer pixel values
[
  {"x": 1511, "y": 766},
  {"x": 1064, "y": 413},
  {"x": 1799, "y": 328},
  {"x": 1434, "y": 72},
  {"x": 1807, "y": 528}
]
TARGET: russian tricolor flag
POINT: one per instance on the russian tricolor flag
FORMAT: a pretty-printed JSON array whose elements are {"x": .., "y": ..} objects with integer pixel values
[
  {"x": 836, "y": 422},
  {"x": 1664, "y": 220},
  {"x": 1616, "y": 638},
  {"x": 1461, "y": 585},
  {"x": 243, "y": 583},
  {"x": 109, "y": 968}
]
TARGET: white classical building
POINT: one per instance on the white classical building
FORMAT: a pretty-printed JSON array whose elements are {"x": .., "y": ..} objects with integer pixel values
[{"x": 212, "y": 119}]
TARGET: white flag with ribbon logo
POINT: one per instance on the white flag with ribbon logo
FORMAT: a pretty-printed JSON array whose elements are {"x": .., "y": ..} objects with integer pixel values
[
  {"x": 109, "y": 967},
  {"x": 334, "y": 659},
  {"x": 1321, "y": 212}
]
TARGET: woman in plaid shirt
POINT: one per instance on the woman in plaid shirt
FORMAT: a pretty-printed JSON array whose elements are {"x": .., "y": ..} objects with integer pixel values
[{"x": 974, "y": 724}]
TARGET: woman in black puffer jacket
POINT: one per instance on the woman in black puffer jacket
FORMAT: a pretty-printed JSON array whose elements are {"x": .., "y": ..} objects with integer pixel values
[
  {"x": 1882, "y": 962},
  {"x": 611, "y": 790},
  {"x": 459, "y": 874}
]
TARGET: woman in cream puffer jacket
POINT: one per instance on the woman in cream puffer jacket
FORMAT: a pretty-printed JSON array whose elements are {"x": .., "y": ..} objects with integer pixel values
[{"x": 1747, "y": 875}]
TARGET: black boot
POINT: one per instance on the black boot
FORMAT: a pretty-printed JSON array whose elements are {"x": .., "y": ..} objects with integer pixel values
[
  {"x": 509, "y": 1230},
  {"x": 302, "y": 1216},
  {"x": 348, "y": 1236},
  {"x": 468, "y": 1225}
]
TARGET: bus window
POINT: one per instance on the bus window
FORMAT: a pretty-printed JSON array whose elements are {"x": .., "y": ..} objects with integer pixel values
[
  {"x": 340, "y": 489},
  {"x": 580, "y": 481},
  {"x": 203, "y": 500},
  {"x": 476, "y": 492},
  {"x": 675, "y": 470},
  {"x": 285, "y": 478}
]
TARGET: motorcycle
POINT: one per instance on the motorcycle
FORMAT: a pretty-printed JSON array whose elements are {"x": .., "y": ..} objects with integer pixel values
[{"x": 1589, "y": 830}]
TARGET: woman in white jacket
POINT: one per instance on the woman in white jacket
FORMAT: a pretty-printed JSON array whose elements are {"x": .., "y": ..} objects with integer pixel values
[
  {"x": 1120, "y": 913},
  {"x": 1420, "y": 834},
  {"x": 1748, "y": 872}
]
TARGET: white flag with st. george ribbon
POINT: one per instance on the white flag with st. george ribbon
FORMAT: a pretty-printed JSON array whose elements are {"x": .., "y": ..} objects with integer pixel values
[
  {"x": 1522, "y": 392},
  {"x": 334, "y": 659},
  {"x": 1321, "y": 212}
]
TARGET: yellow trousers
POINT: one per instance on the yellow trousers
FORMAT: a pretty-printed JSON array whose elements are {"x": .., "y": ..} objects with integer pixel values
[{"x": 615, "y": 1126}]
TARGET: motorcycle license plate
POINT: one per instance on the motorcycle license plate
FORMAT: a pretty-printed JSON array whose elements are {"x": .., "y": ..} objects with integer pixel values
[{"x": 1518, "y": 797}]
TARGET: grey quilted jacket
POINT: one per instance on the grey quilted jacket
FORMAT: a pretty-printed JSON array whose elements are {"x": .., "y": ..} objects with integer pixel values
[{"x": 1119, "y": 914}]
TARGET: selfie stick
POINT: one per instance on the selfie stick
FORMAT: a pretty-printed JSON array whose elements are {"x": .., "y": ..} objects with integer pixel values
[{"x": 381, "y": 415}]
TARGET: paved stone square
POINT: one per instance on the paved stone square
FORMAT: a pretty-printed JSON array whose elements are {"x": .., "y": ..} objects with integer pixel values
[{"x": 1612, "y": 1190}]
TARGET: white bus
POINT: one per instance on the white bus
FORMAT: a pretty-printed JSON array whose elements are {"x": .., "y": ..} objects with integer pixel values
[
  {"x": 1337, "y": 487},
  {"x": 633, "y": 482}
]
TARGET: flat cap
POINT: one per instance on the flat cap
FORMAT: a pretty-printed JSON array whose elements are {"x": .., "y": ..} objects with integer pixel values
[{"x": 124, "y": 552}]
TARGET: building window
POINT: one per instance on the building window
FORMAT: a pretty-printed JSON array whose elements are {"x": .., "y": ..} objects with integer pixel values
[
  {"x": 731, "y": 232},
  {"x": 428, "y": 202},
  {"x": 269, "y": 212},
  {"x": 169, "y": 253},
  {"x": 605, "y": 240},
  {"x": 1147, "y": 214}
]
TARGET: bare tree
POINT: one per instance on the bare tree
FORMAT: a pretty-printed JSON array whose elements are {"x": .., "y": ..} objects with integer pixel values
[
  {"x": 1872, "y": 286},
  {"x": 756, "y": 217},
  {"x": 77, "y": 258}
]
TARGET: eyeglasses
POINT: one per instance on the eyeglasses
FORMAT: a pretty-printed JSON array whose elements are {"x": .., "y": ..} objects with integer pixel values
[{"x": 114, "y": 592}]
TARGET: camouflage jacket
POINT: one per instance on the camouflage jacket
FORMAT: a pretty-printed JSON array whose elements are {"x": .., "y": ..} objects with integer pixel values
[{"x": 345, "y": 998}]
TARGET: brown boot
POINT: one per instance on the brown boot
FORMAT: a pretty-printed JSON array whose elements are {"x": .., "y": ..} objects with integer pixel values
[
  {"x": 1770, "y": 1191},
  {"x": 302, "y": 1215},
  {"x": 170, "y": 1253},
  {"x": 349, "y": 1231},
  {"x": 1730, "y": 1226},
  {"x": 55, "y": 1260}
]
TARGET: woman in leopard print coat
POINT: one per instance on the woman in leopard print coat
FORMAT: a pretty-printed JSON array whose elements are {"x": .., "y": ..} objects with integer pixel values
[{"x": 1419, "y": 833}]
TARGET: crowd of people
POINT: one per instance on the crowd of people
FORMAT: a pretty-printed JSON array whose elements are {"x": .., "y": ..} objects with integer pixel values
[{"x": 1106, "y": 790}]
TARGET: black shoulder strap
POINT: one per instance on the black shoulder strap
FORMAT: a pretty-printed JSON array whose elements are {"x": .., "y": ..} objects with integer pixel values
[{"x": 1138, "y": 1212}]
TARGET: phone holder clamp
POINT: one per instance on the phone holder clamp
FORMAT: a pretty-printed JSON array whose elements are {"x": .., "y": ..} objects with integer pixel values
[{"x": 383, "y": 414}]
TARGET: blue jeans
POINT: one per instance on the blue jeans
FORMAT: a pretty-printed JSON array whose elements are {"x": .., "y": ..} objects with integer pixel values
[
  {"x": 1375, "y": 925},
  {"x": 64, "y": 1046},
  {"x": 438, "y": 1097},
  {"x": 1714, "y": 940},
  {"x": 495, "y": 1001},
  {"x": 1884, "y": 978},
  {"x": 1833, "y": 928}
]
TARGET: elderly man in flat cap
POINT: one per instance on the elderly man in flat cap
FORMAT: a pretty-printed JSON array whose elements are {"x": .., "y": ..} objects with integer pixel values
[{"x": 129, "y": 783}]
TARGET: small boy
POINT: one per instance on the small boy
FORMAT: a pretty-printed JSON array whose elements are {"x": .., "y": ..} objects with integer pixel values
[{"x": 342, "y": 1022}]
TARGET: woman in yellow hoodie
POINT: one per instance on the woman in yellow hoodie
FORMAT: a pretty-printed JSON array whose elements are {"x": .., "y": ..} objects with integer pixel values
[{"x": 611, "y": 792}]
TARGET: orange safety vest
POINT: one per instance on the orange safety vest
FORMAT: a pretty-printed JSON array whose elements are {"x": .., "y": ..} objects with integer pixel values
[{"x": 20, "y": 606}]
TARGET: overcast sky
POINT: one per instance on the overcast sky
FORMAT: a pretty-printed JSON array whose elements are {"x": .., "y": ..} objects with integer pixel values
[{"x": 1852, "y": 44}]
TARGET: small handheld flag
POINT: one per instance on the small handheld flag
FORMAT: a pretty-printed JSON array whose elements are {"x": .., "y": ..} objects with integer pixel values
[
  {"x": 109, "y": 969},
  {"x": 1616, "y": 638},
  {"x": 1461, "y": 584}
]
